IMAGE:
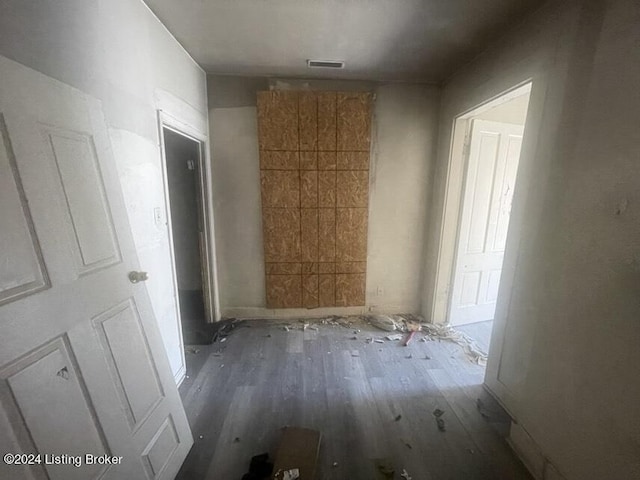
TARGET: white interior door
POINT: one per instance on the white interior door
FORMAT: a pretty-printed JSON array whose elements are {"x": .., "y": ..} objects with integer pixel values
[
  {"x": 82, "y": 365},
  {"x": 493, "y": 155}
]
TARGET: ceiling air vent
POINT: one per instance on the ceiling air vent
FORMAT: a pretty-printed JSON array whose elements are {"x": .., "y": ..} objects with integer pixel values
[{"x": 324, "y": 64}]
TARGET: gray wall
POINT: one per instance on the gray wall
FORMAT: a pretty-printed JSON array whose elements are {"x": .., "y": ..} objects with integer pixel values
[
  {"x": 118, "y": 52},
  {"x": 404, "y": 133},
  {"x": 564, "y": 356}
]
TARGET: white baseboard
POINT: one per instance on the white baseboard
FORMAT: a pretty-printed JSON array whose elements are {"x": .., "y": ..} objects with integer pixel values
[{"x": 531, "y": 454}]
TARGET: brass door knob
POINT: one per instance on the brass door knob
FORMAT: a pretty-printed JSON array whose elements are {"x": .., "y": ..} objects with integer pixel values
[{"x": 135, "y": 277}]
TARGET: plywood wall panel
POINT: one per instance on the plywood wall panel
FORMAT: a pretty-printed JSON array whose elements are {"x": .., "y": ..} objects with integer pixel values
[
  {"x": 327, "y": 235},
  {"x": 350, "y": 267},
  {"x": 281, "y": 232},
  {"x": 310, "y": 291},
  {"x": 308, "y": 120},
  {"x": 351, "y": 234},
  {"x": 353, "y": 121},
  {"x": 327, "y": 267},
  {"x": 308, "y": 160},
  {"x": 327, "y": 290},
  {"x": 284, "y": 291},
  {"x": 350, "y": 289},
  {"x": 283, "y": 268},
  {"x": 352, "y": 160},
  {"x": 327, "y": 160},
  {"x": 314, "y": 161},
  {"x": 309, "y": 189},
  {"x": 327, "y": 189},
  {"x": 278, "y": 120},
  {"x": 309, "y": 234},
  {"x": 352, "y": 188},
  {"x": 279, "y": 160},
  {"x": 280, "y": 188},
  {"x": 327, "y": 131},
  {"x": 310, "y": 267}
]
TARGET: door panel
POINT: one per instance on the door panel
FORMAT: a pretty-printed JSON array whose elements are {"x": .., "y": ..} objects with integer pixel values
[
  {"x": 82, "y": 365},
  {"x": 492, "y": 164},
  {"x": 23, "y": 271}
]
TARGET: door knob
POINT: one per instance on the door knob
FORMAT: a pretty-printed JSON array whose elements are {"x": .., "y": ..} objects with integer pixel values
[{"x": 135, "y": 277}]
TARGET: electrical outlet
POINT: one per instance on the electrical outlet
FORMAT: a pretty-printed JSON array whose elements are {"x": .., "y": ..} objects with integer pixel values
[{"x": 379, "y": 291}]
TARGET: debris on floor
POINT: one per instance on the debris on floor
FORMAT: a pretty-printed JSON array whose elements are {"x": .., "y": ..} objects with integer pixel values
[
  {"x": 393, "y": 338},
  {"x": 384, "y": 322},
  {"x": 444, "y": 332},
  {"x": 398, "y": 418},
  {"x": 293, "y": 474},
  {"x": 260, "y": 468},
  {"x": 191, "y": 349},
  {"x": 405, "y": 475},
  {"x": 439, "y": 420}
]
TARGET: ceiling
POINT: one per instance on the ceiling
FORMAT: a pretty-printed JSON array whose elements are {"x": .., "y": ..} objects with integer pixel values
[{"x": 390, "y": 40}]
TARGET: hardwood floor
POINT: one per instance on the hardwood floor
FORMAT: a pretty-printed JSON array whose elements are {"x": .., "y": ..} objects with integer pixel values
[
  {"x": 480, "y": 332},
  {"x": 372, "y": 402}
]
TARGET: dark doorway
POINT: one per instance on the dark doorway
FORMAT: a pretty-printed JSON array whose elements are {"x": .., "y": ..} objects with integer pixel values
[{"x": 183, "y": 164}]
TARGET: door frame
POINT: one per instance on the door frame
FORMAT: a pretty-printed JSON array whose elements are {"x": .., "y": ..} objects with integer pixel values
[
  {"x": 207, "y": 253},
  {"x": 453, "y": 203}
]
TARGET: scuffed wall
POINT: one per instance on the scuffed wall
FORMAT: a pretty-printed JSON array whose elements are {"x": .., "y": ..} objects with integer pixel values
[
  {"x": 403, "y": 145},
  {"x": 118, "y": 52},
  {"x": 564, "y": 352}
]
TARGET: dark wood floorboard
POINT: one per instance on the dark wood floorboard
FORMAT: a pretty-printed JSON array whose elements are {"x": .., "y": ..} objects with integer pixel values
[{"x": 372, "y": 402}]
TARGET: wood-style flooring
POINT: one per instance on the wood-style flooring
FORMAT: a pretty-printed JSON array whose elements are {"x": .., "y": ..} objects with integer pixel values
[{"x": 372, "y": 402}]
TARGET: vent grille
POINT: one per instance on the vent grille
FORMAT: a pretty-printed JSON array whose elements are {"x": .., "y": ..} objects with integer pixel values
[{"x": 324, "y": 64}]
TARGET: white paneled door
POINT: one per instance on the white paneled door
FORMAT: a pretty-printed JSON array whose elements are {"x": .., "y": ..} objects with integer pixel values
[
  {"x": 85, "y": 384},
  {"x": 493, "y": 155}
]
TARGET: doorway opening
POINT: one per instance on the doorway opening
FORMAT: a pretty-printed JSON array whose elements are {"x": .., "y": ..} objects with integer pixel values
[
  {"x": 486, "y": 148},
  {"x": 186, "y": 190}
]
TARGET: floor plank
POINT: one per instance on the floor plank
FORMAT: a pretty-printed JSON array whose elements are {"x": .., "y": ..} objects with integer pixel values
[{"x": 371, "y": 401}]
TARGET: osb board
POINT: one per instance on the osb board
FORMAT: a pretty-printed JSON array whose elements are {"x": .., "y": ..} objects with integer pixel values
[
  {"x": 279, "y": 160},
  {"x": 351, "y": 234},
  {"x": 308, "y": 120},
  {"x": 352, "y": 188},
  {"x": 314, "y": 184},
  {"x": 278, "y": 120},
  {"x": 284, "y": 291},
  {"x": 353, "y": 121},
  {"x": 284, "y": 268},
  {"x": 309, "y": 188},
  {"x": 309, "y": 234},
  {"x": 350, "y": 289},
  {"x": 281, "y": 231},
  {"x": 327, "y": 160},
  {"x": 327, "y": 121},
  {"x": 308, "y": 160},
  {"x": 352, "y": 160},
  {"x": 310, "y": 298},
  {"x": 327, "y": 290},
  {"x": 350, "y": 267},
  {"x": 327, "y": 235},
  {"x": 327, "y": 188},
  {"x": 280, "y": 188}
]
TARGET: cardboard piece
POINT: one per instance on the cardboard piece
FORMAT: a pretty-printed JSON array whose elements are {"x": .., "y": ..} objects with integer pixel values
[{"x": 298, "y": 449}]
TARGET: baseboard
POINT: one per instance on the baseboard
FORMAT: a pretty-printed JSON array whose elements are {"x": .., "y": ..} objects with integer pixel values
[
  {"x": 531, "y": 455},
  {"x": 259, "y": 312}
]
